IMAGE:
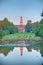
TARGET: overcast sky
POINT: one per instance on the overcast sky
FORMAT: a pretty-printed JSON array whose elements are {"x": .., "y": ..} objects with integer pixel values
[{"x": 28, "y": 9}]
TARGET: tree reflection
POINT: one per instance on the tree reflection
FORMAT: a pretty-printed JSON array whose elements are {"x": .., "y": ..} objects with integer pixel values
[
  {"x": 29, "y": 49},
  {"x": 35, "y": 46},
  {"x": 38, "y": 46},
  {"x": 6, "y": 50}
]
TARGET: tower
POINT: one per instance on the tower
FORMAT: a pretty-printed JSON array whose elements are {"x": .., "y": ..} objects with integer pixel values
[
  {"x": 21, "y": 25},
  {"x": 21, "y": 21}
]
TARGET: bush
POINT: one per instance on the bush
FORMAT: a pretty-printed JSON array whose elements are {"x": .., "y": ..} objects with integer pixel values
[{"x": 3, "y": 33}]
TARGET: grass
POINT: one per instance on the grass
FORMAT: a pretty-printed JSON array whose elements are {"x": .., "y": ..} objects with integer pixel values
[{"x": 20, "y": 36}]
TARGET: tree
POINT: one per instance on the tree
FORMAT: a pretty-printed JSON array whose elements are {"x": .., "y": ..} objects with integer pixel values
[
  {"x": 36, "y": 28},
  {"x": 28, "y": 27},
  {"x": 6, "y": 27},
  {"x": 41, "y": 28},
  {"x": 42, "y": 14},
  {"x": 41, "y": 21},
  {"x": 3, "y": 33}
]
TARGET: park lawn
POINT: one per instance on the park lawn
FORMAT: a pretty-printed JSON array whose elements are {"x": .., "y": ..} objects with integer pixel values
[{"x": 21, "y": 36}]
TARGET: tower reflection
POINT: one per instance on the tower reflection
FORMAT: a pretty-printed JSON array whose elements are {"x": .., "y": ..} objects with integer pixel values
[{"x": 21, "y": 50}]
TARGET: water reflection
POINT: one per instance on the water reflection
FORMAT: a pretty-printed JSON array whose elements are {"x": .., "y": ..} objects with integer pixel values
[
  {"x": 6, "y": 50},
  {"x": 21, "y": 42},
  {"x": 21, "y": 50},
  {"x": 29, "y": 55}
]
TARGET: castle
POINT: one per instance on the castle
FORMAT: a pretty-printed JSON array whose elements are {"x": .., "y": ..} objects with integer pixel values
[{"x": 21, "y": 26}]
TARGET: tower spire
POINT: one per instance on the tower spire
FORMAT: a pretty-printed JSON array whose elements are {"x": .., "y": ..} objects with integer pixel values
[
  {"x": 21, "y": 25},
  {"x": 21, "y": 21}
]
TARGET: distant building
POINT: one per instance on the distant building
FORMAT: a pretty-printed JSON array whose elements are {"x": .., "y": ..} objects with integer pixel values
[
  {"x": 21, "y": 26},
  {"x": 29, "y": 21}
]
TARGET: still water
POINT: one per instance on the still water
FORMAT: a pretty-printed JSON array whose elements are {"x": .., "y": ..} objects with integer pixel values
[{"x": 21, "y": 55}]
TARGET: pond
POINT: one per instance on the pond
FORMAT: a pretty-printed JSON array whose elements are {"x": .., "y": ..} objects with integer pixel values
[{"x": 25, "y": 54}]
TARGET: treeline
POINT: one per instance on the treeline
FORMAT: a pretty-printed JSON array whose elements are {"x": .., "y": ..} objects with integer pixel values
[
  {"x": 36, "y": 27},
  {"x": 6, "y": 27}
]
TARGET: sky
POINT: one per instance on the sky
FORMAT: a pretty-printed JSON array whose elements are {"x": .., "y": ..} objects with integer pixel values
[{"x": 28, "y": 9}]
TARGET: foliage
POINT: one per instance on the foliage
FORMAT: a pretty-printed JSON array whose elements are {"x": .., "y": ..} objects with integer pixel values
[
  {"x": 36, "y": 28},
  {"x": 42, "y": 14},
  {"x": 41, "y": 30},
  {"x": 28, "y": 27},
  {"x": 20, "y": 37},
  {"x": 41, "y": 21},
  {"x": 3, "y": 33},
  {"x": 7, "y": 27}
]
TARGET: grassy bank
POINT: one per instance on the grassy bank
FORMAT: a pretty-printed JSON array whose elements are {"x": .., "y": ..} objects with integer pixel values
[{"x": 20, "y": 36}]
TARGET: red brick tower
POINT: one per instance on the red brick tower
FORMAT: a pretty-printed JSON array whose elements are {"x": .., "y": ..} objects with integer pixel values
[
  {"x": 21, "y": 21},
  {"x": 21, "y": 25}
]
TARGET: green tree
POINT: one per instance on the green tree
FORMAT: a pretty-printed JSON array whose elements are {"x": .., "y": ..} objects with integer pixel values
[
  {"x": 41, "y": 28},
  {"x": 41, "y": 21},
  {"x": 3, "y": 33},
  {"x": 36, "y": 28},
  {"x": 28, "y": 27},
  {"x": 42, "y": 14},
  {"x": 7, "y": 27}
]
